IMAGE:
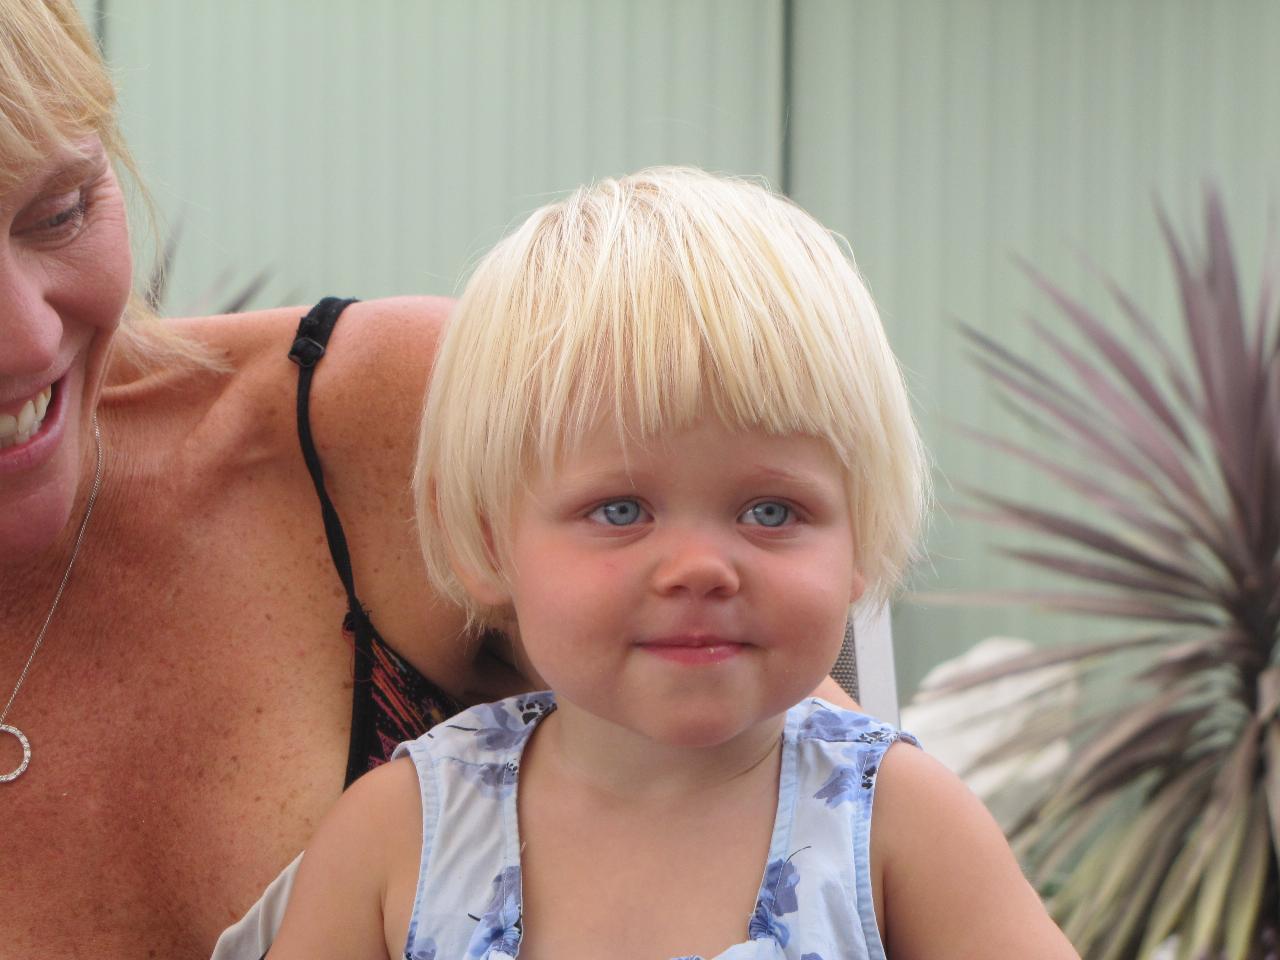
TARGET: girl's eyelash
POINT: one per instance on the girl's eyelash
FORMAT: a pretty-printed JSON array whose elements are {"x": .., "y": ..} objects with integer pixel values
[
  {"x": 791, "y": 513},
  {"x": 602, "y": 512}
]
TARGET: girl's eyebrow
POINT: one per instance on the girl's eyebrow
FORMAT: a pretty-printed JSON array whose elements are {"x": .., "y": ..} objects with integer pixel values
[
  {"x": 610, "y": 476},
  {"x": 773, "y": 474}
]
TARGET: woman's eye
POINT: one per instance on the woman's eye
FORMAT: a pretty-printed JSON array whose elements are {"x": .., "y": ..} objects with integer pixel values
[
  {"x": 71, "y": 213},
  {"x": 618, "y": 513},
  {"x": 67, "y": 217},
  {"x": 770, "y": 513}
]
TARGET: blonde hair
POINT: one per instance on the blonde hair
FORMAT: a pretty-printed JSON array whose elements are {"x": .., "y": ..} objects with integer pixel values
[
  {"x": 55, "y": 90},
  {"x": 651, "y": 300}
]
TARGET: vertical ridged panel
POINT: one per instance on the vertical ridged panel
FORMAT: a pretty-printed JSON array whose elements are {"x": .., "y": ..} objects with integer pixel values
[
  {"x": 946, "y": 137},
  {"x": 377, "y": 147}
]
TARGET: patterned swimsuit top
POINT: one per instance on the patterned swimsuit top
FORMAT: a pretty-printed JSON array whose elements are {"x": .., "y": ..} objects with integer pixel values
[
  {"x": 814, "y": 900},
  {"x": 391, "y": 701}
]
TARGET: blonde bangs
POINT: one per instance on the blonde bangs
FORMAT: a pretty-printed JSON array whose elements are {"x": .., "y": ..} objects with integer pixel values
[
  {"x": 645, "y": 304},
  {"x": 681, "y": 315}
]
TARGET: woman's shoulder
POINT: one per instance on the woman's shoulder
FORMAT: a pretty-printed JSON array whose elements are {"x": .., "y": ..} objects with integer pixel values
[
  {"x": 365, "y": 398},
  {"x": 365, "y": 401},
  {"x": 376, "y": 362},
  {"x": 239, "y": 401},
  {"x": 370, "y": 386}
]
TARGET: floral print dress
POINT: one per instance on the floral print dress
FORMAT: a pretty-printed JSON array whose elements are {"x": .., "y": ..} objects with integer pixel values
[{"x": 815, "y": 897}]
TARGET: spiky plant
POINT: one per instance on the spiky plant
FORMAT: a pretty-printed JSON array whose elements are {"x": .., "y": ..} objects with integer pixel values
[
  {"x": 1165, "y": 825},
  {"x": 219, "y": 298}
]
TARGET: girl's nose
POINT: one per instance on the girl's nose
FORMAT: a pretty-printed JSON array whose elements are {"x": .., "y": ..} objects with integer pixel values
[
  {"x": 699, "y": 566},
  {"x": 30, "y": 330}
]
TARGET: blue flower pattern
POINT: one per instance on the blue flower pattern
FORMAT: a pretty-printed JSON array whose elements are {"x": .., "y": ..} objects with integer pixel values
[
  {"x": 841, "y": 787},
  {"x": 493, "y": 779},
  {"x": 500, "y": 727},
  {"x": 844, "y": 726},
  {"x": 833, "y": 726},
  {"x": 483, "y": 747},
  {"x": 777, "y": 898},
  {"x": 498, "y": 928}
]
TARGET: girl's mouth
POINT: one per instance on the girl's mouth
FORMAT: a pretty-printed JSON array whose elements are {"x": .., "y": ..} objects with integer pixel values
[{"x": 694, "y": 650}]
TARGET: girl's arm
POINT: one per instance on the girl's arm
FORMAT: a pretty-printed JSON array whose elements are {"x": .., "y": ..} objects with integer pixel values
[
  {"x": 947, "y": 883},
  {"x": 366, "y": 847}
]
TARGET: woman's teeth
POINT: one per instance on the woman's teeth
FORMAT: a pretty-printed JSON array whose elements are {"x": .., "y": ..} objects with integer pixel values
[{"x": 26, "y": 424}]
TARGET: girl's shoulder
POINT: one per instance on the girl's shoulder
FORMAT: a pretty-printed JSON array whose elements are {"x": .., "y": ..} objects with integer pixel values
[
  {"x": 945, "y": 880},
  {"x": 833, "y": 770}
]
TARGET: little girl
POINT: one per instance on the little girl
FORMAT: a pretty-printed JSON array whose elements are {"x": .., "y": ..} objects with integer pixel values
[{"x": 666, "y": 447}]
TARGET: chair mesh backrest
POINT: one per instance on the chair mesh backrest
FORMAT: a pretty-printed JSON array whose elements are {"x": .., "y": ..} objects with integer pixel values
[{"x": 845, "y": 671}]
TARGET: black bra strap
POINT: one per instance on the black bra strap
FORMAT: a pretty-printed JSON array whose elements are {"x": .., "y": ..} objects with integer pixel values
[{"x": 306, "y": 352}]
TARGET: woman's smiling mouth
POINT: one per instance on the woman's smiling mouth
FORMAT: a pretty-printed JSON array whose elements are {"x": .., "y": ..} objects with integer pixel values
[{"x": 22, "y": 420}]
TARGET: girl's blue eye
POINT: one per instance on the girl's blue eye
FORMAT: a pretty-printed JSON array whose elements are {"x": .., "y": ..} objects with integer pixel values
[
  {"x": 618, "y": 513},
  {"x": 770, "y": 513}
]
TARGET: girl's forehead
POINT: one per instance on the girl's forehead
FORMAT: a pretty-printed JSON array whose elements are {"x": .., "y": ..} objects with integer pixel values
[{"x": 610, "y": 447}]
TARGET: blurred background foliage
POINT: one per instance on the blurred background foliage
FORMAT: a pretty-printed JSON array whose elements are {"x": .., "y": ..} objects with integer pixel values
[
  {"x": 376, "y": 147},
  {"x": 1155, "y": 831}
]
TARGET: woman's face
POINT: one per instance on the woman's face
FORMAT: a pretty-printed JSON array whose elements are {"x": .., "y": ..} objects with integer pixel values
[{"x": 65, "y": 272}]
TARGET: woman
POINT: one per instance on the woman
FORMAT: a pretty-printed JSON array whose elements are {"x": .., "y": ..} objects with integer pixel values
[
  {"x": 157, "y": 473},
  {"x": 198, "y": 643}
]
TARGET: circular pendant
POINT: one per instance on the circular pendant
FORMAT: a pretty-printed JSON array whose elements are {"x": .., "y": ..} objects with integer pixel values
[{"x": 26, "y": 753}]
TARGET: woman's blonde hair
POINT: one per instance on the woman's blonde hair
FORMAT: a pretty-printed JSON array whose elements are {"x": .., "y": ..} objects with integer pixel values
[
  {"x": 648, "y": 301},
  {"x": 55, "y": 90}
]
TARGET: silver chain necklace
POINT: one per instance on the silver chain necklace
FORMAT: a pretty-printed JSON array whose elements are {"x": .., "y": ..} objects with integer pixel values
[{"x": 57, "y": 597}]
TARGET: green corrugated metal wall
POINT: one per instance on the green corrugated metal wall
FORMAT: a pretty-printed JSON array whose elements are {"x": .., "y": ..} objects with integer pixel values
[{"x": 375, "y": 147}]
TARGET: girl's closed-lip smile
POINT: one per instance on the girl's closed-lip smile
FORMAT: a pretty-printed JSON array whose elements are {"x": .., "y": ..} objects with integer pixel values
[{"x": 693, "y": 649}]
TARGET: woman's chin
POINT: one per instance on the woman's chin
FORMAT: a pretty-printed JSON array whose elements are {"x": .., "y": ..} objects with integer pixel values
[
  {"x": 33, "y": 524},
  {"x": 36, "y": 504}
]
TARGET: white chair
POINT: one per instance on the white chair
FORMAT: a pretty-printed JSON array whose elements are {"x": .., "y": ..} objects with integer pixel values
[{"x": 865, "y": 665}]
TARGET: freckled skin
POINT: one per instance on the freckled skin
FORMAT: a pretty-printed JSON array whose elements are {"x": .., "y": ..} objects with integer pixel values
[{"x": 190, "y": 710}]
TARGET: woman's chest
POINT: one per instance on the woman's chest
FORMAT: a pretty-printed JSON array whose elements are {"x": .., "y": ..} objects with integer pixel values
[
  {"x": 165, "y": 790},
  {"x": 185, "y": 741}
]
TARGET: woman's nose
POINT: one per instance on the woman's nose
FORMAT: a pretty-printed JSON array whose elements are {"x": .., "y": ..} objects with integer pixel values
[
  {"x": 696, "y": 564},
  {"x": 30, "y": 329}
]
